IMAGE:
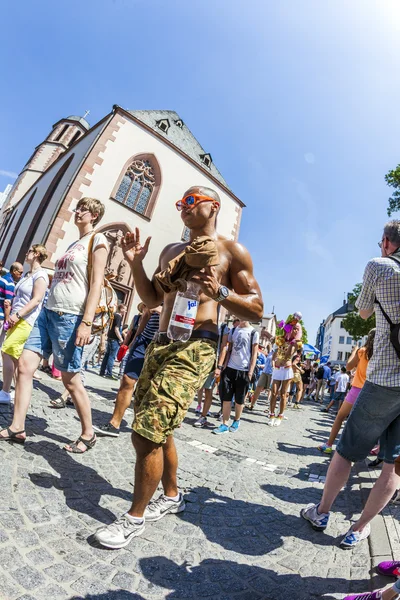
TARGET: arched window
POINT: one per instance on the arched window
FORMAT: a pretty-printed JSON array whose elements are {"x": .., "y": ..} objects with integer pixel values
[{"x": 139, "y": 185}]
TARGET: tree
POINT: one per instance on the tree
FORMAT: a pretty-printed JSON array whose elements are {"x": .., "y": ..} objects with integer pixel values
[
  {"x": 392, "y": 179},
  {"x": 352, "y": 322}
]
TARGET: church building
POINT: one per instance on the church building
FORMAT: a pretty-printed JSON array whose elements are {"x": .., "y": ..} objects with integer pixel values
[{"x": 138, "y": 163}]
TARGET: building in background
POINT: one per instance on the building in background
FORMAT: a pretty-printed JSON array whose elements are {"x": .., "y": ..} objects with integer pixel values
[
  {"x": 266, "y": 326},
  {"x": 337, "y": 342},
  {"x": 3, "y": 195},
  {"x": 138, "y": 163},
  {"x": 319, "y": 341}
]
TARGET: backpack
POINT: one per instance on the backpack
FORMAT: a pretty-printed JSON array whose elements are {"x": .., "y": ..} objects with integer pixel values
[
  {"x": 394, "y": 327},
  {"x": 320, "y": 373},
  {"x": 108, "y": 302}
]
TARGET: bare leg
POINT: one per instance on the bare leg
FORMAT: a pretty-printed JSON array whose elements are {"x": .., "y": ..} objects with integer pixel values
[
  {"x": 207, "y": 402},
  {"x": 123, "y": 401},
  {"x": 9, "y": 365},
  {"x": 238, "y": 411},
  {"x": 336, "y": 478},
  {"x": 340, "y": 417},
  {"x": 65, "y": 395},
  {"x": 383, "y": 490},
  {"x": 256, "y": 395},
  {"x": 148, "y": 472},
  {"x": 200, "y": 396},
  {"x": 299, "y": 392},
  {"x": 27, "y": 365},
  {"x": 169, "y": 479},
  {"x": 274, "y": 393},
  {"x": 284, "y": 395},
  {"x": 74, "y": 385},
  {"x": 226, "y": 411}
]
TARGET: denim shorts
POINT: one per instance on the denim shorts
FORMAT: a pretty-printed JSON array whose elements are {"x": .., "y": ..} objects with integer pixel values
[
  {"x": 55, "y": 333},
  {"x": 375, "y": 415}
]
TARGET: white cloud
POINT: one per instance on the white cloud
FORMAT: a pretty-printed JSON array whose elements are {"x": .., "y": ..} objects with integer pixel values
[
  {"x": 9, "y": 174},
  {"x": 309, "y": 158}
]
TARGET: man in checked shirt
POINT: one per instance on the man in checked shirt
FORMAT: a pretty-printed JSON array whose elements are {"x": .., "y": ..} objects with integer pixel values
[{"x": 376, "y": 413}]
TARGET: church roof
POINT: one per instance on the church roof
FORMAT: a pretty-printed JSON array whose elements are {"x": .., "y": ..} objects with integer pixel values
[
  {"x": 81, "y": 120},
  {"x": 169, "y": 124}
]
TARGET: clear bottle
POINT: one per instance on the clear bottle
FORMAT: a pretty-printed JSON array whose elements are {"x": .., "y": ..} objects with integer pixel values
[{"x": 184, "y": 313}]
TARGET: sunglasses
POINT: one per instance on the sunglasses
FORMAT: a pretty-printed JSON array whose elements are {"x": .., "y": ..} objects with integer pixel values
[
  {"x": 192, "y": 200},
  {"x": 80, "y": 211}
]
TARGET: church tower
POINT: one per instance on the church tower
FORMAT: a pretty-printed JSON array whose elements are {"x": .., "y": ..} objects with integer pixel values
[{"x": 63, "y": 135}]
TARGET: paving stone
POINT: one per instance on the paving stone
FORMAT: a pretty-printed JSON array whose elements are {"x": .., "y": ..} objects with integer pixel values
[
  {"x": 40, "y": 556},
  {"x": 61, "y": 572},
  {"x": 125, "y": 581},
  {"x": 28, "y": 577}
]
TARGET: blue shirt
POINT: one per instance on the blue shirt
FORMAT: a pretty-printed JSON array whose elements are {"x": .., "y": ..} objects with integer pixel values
[
  {"x": 268, "y": 369},
  {"x": 327, "y": 372},
  {"x": 7, "y": 287}
]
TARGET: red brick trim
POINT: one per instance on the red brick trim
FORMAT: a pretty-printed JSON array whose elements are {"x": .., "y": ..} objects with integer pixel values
[{"x": 74, "y": 193}]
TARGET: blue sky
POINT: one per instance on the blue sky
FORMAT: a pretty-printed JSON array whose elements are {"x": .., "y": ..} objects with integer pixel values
[{"x": 298, "y": 103}]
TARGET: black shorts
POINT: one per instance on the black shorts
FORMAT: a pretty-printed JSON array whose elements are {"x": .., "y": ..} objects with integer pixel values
[{"x": 234, "y": 384}]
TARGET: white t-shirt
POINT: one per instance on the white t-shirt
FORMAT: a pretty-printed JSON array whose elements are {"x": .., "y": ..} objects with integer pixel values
[
  {"x": 70, "y": 286},
  {"x": 241, "y": 352},
  {"x": 342, "y": 382},
  {"x": 23, "y": 295}
]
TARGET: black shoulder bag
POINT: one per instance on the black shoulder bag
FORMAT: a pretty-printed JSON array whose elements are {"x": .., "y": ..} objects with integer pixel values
[{"x": 394, "y": 327}]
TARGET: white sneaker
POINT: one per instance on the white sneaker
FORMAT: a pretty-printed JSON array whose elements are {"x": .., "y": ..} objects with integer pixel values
[
  {"x": 201, "y": 422},
  {"x": 271, "y": 421},
  {"x": 119, "y": 534},
  {"x": 278, "y": 420},
  {"x": 353, "y": 538},
  {"x": 5, "y": 397},
  {"x": 157, "y": 509}
]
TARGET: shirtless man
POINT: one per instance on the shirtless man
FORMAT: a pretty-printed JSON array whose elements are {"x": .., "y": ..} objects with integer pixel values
[{"x": 174, "y": 371}]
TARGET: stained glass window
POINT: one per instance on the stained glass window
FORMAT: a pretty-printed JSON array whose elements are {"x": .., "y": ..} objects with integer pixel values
[{"x": 137, "y": 186}]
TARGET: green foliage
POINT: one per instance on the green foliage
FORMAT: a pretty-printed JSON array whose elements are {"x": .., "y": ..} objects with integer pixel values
[
  {"x": 352, "y": 322},
  {"x": 392, "y": 179}
]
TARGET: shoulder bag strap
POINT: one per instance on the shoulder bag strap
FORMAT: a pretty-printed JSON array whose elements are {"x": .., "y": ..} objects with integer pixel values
[
  {"x": 90, "y": 258},
  {"x": 384, "y": 313}
]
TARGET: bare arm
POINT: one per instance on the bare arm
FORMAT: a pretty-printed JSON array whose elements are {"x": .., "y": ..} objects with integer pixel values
[
  {"x": 142, "y": 324},
  {"x": 99, "y": 260},
  {"x": 38, "y": 292},
  {"x": 354, "y": 359},
  {"x": 366, "y": 313},
  {"x": 7, "y": 309},
  {"x": 253, "y": 360},
  {"x": 244, "y": 300},
  {"x": 118, "y": 334},
  {"x": 134, "y": 254}
]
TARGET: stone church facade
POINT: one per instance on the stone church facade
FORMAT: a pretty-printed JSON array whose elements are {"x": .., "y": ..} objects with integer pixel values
[{"x": 138, "y": 163}]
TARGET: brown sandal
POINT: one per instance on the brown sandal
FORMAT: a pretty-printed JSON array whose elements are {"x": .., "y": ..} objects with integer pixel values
[
  {"x": 88, "y": 443},
  {"x": 12, "y": 436}
]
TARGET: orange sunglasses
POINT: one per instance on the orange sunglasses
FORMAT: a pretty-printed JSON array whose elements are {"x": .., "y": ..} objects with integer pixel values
[{"x": 192, "y": 199}]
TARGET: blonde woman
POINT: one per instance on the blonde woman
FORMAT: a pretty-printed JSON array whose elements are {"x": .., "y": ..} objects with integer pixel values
[{"x": 26, "y": 306}]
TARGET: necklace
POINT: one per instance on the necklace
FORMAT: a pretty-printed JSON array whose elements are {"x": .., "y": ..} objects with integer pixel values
[{"x": 87, "y": 233}]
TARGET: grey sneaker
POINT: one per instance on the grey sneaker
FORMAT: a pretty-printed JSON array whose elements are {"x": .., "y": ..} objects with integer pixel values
[
  {"x": 157, "y": 509},
  {"x": 201, "y": 422},
  {"x": 119, "y": 534},
  {"x": 108, "y": 430},
  {"x": 319, "y": 521}
]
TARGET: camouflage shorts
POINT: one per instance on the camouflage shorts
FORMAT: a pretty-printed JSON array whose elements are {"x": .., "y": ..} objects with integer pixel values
[{"x": 170, "y": 378}]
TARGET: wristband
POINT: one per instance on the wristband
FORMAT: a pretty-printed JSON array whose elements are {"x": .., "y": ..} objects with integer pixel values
[
  {"x": 220, "y": 367},
  {"x": 18, "y": 315}
]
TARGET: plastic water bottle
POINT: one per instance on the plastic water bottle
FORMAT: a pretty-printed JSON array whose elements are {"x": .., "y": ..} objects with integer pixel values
[{"x": 184, "y": 313}]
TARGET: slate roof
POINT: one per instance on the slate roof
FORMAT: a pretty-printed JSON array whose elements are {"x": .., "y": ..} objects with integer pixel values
[{"x": 181, "y": 137}]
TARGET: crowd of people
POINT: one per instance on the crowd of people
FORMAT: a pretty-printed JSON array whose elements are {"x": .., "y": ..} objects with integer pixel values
[{"x": 65, "y": 316}]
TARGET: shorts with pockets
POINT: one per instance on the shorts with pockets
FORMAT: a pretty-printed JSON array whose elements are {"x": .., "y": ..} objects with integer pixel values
[
  {"x": 234, "y": 384},
  {"x": 265, "y": 381},
  {"x": 375, "y": 416},
  {"x": 171, "y": 376},
  {"x": 55, "y": 333},
  {"x": 16, "y": 338}
]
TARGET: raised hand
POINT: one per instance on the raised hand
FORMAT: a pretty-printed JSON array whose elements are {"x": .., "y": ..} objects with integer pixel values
[{"x": 132, "y": 248}]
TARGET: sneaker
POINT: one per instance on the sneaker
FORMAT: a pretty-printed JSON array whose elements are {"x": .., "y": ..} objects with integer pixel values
[
  {"x": 119, "y": 534},
  {"x": 5, "y": 397},
  {"x": 218, "y": 414},
  {"x": 325, "y": 449},
  {"x": 157, "y": 509},
  {"x": 396, "y": 499},
  {"x": 108, "y": 430},
  {"x": 353, "y": 538},
  {"x": 201, "y": 422},
  {"x": 271, "y": 421},
  {"x": 318, "y": 521},
  {"x": 234, "y": 427},
  {"x": 389, "y": 568},
  {"x": 221, "y": 429},
  {"x": 278, "y": 420},
  {"x": 366, "y": 596},
  {"x": 198, "y": 409}
]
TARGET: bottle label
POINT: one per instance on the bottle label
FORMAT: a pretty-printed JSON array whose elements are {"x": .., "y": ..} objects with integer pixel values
[{"x": 185, "y": 311}]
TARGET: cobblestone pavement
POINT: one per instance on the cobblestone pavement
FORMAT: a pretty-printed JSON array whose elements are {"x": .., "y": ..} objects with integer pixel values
[{"x": 240, "y": 537}]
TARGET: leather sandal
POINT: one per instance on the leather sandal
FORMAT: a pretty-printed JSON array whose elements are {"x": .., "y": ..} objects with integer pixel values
[
  {"x": 60, "y": 403},
  {"x": 88, "y": 443},
  {"x": 12, "y": 436}
]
